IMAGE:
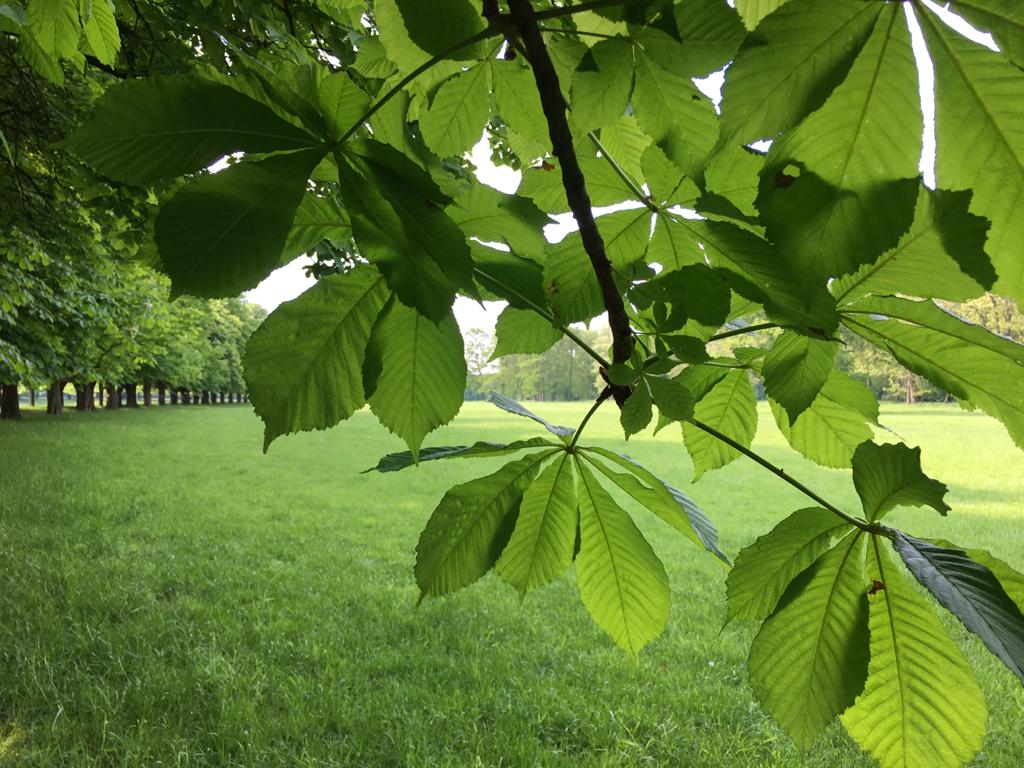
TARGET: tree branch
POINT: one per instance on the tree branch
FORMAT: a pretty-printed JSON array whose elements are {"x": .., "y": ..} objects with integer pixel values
[{"x": 544, "y": 74}]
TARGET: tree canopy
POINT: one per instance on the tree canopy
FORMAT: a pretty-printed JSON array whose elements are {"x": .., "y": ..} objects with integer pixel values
[{"x": 796, "y": 204}]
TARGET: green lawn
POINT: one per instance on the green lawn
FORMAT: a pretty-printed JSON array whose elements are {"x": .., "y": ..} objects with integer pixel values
[{"x": 171, "y": 597}]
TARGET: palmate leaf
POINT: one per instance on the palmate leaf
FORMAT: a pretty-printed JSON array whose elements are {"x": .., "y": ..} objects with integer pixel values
[
  {"x": 855, "y": 196},
  {"x": 711, "y": 33},
  {"x": 789, "y": 66},
  {"x": 981, "y": 141},
  {"x": 400, "y": 226},
  {"x": 764, "y": 569},
  {"x": 422, "y": 375},
  {"x": 543, "y": 185},
  {"x": 506, "y": 276},
  {"x": 516, "y": 100},
  {"x": 963, "y": 359},
  {"x": 303, "y": 365},
  {"x": 457, "y": 115},
  {"x": 223, "y": 233},
  {"x": 638, "y": 410},
  {"x": 522, "y": 332},
  {"x": 810, "y": 659},
  {"x": 541, "y": 546},
  {"x": 795, "y": 370},
  {"x": 671, "y": 505},
  {"x": 969, "y": 591},
  {"x": 941, "y": 256},
  {"x": 836, "y": 423},
  {"x": 342, "y": 103},
  {"x": 888, "y": 476},
  {"x": 393, "y": 462},
  {"x": 753, "y": 11},
  {"x": 144, "y": 130},
  {"x": 54, "y": 25},
  {"x": 921, "y": 706},
  {"x": 622, "y": 582},
  {"x": 471, "y": 526},
  {"x": 508, "y": 404},
  {"x": 731, "y": 408}
]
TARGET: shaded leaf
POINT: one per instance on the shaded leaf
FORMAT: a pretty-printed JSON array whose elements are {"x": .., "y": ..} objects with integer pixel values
[
  {"x": 890, "y": 475},
  {"x": 729, "y": 407},
  {"x": 393, "y": 462},
  {"x": 522, "y": 332},
  {"x": 510, "y": 405},
  {"x": 795, "y": 370}
]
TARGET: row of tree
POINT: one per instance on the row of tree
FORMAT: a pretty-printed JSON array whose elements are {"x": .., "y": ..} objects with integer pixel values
[
  {"x": 565, "y": 373},
  {"x": 109, "y": 328}
]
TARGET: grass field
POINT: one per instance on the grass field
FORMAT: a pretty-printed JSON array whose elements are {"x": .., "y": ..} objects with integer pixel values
[{"x": 171, "y": 597}]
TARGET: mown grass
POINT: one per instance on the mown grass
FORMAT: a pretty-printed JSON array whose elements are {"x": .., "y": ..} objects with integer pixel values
[{"x": 171, "y": 597}]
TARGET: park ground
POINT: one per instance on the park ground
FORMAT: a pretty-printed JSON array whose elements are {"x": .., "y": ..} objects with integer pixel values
[{"x": 169, "y": 596}]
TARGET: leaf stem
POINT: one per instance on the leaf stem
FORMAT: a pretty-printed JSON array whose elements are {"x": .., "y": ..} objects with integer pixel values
[
  {"x": 781, "y": 473},
  {"x": 741, "y": 331},
  {"x": 633, "y": 186},
  {"x": 605, "y": 394}
]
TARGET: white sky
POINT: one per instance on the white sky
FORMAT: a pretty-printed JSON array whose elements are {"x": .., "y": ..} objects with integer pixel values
[{"x": 288, "y": 282}]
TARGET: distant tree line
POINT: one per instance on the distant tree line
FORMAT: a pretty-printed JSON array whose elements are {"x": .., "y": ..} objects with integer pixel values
[{"x": 108, "y": 329}]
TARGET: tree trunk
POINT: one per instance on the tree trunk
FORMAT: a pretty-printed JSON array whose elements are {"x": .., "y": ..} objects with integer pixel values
[
  {"x": 911, "y": 390},
  {"x": 195, "y": 398},
  {"x": 131, "y": 395},
  {"x": 161, "y": 393},
  {"x": 32, "y": 397},
  {"x": 113, "y": 397},
  {"x": 10, "y": 405},
  {"x": 205, "y": 397},
  {"x": 85, "y": 396},
  {"x": 147, "y": 394},
  {"x": 55, "y": 398},
  {"x": 174, "y": 397}
]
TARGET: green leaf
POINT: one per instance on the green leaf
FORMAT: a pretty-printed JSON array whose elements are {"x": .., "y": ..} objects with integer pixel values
[
  {"x": 456, "y": 118},
  {"x": 711, "y": 33},
  {"x": 342, "y": 103},
  {"x": 674, "y": 401},
  {"x": 423, "y": 373},
  {"x": 100, "y": 30},
  {"x": 400, "y": 226},
  {"x": 671, "y": 505},
  {"x": 764, "y": 569},
  {"x": 942, "y": 255},
  {"x": 836, "y": 423},
  {"x": 302, "y": 365},
  {"x": 626, "y": 143},
  {"x": 969, "y": 591},
  {"x": 921, "y": 705},
  {"x": 730, "y": 407},
  {"x": 492, "y": 216},
  {"x": 223, "y": 233},
  {"x": 810, "y": 659},
  {"x": 471, "y": 526},
  {"x": 622, "y": 582},
  {"x": 753, "y": 11},
  {"x": 981, "y": 141},
  {"x": 1012, "y": 581},
  {"x": 510, "y": 405},
  {"x": 393, "y": 462},
  {"x": 541, "y": 547},
  {"x": 316, "y": 219},
  {"x": 963, "y": 359},
  {"x": 518, "y": 281},
  {"x": 788, "y": 68},
  {"x": 522, "y": 332},
  {"x": 437, "y": 26},
  {"x": 1003, "y": 18},
  {"x": 569, "y": 282},
  {"x": 733, "y": 174},
  {"x": 795, "y": 370},
  {"x": 543, "y": 185},
  {"x": 890, "y": 475},
  {"x": 54, "y": 25},
  {"x": 695, "y": 292},
  {"x": 636, "y": 412},
  {"x": 602, "y": 85},
  {"x": 157, "y": 127},
  {"x": 516, "y": 99},
  {"x": 670, "y": 109},
  {"x": 855, "y": 196}
]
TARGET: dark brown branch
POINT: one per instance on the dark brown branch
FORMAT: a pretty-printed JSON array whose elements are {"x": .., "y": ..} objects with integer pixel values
[
  {"x": 118, "y": 73},
  {"x": 525, "y": 21}
]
